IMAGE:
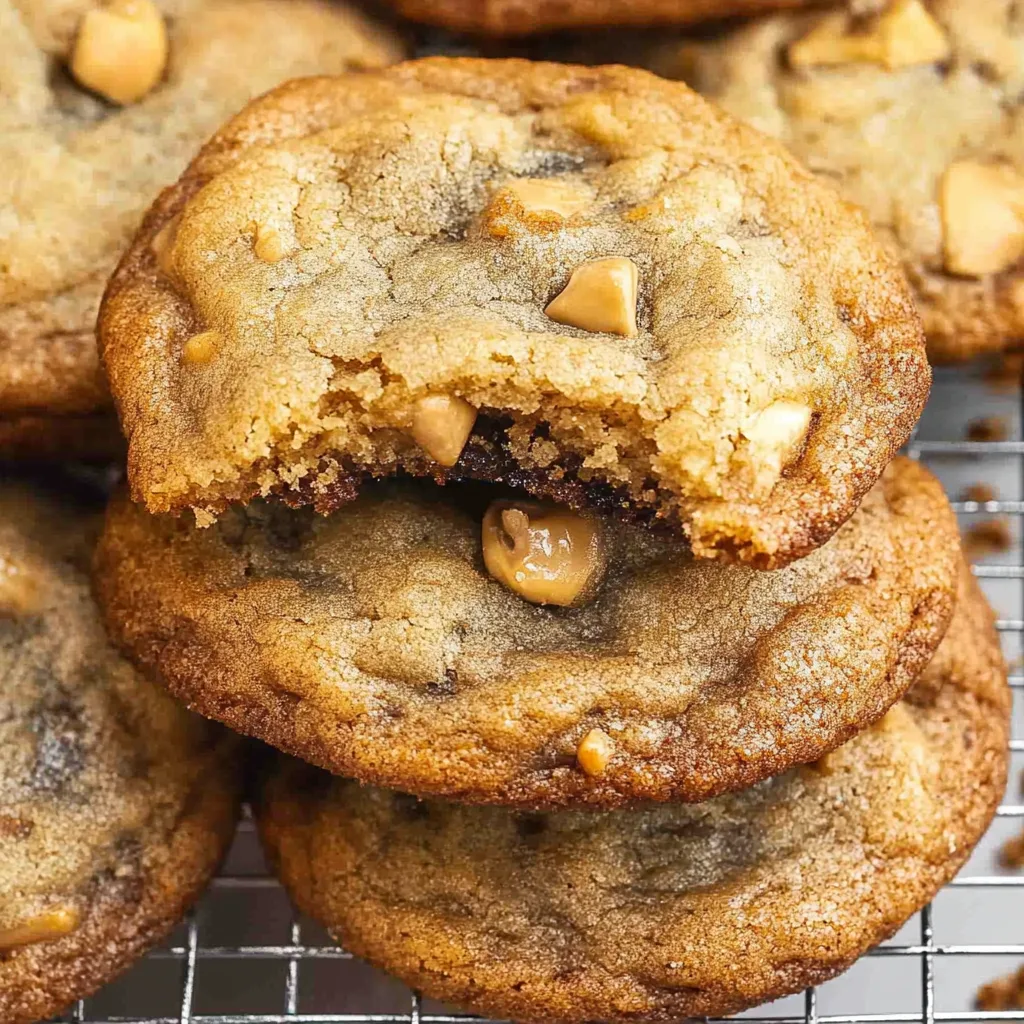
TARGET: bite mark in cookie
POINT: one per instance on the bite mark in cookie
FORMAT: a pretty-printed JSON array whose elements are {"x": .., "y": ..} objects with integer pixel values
[{"x": 632, "y": 292}]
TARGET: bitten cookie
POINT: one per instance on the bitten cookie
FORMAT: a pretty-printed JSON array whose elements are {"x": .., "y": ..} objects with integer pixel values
[
  {"x": 666, "y": 912},
  {"x": 100, "y": 106},
  {"x": 375, "y": 643},
  {"x": 523, "y": 17},
  {"x": 116, "y": 804},
  {"x": 914, "y": 113},
  {"x": 586, "y": 282}
]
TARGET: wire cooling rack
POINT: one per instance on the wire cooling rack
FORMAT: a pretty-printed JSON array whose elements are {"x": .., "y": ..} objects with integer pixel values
[{"x": 244, "y": 958}]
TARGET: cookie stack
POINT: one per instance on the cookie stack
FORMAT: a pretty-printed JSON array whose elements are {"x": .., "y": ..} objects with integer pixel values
[{"x": 520, "y": 437}]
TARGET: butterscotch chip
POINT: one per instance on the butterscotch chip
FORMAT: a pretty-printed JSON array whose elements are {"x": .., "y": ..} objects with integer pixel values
[
  {"x": 487, "y": 693},
  {"x": 982, "y": 217},
  {"x": 600, "y": 296},
  {"x": 667, "y": 912},
  {"x": 161, "y": 246},
  {"x": 270, "y": 246},
  {"x": 542, "y": 195},
  {"x": 441, "y": 425},
  {"x": 77, "y": 173},
  {"x": 534, "y": 204},
  {"x": 617, "y": 354},
  {"x": 912, "y": 113},
  {"x": 776, "y": 434},
  {"x": 595, "y": 751},
  {"x": 19, "y": 588},
  {"x": 117, "y": 803},
  {"x": 200, "y": 348},
  {"x": 46, "y": 927},
  {"x": 903, "y": 34},
  {"x": 121, "y": 50}
]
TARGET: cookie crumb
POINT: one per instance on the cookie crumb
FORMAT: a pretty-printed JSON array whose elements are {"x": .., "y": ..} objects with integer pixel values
[
  {"x": 988, "y": 537},
  {"x": 1005, "y": 373},
  {"x": 1003, "y": 993},
  {"x": 1011, "y": 853},
  {"x": 988, "y": 428},
  {"x": 979, "y": 492}
]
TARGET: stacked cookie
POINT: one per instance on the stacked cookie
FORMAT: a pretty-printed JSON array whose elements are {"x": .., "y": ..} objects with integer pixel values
[
  {"x": 520, "y": 438},
  {"x": 116, "y": 804},
  {"x": 101, "y": 105},
  {"x": 857, "y": 99}
]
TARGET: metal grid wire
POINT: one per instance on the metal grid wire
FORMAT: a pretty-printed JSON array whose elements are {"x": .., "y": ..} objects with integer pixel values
[{"x": 276, "y": 952}]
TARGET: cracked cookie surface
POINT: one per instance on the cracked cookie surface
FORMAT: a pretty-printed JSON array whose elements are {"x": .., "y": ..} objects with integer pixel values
[
  {"x": 646, "y": 304},
  {"x": 914, "y": 114},
  {"x": 116, "y": 804},
  {"x": 374, "y": 642},
  {"x": 77, "y": 172},
  {"x": 523, "y": 17},
  {"x": 663, "y": 912}
]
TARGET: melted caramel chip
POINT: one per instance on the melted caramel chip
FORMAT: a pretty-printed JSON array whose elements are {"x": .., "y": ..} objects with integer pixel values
[
  {"x": 270, "y": 246},
  {"x": 19, "y": 591},
  {"x": 547, "y": 555}
]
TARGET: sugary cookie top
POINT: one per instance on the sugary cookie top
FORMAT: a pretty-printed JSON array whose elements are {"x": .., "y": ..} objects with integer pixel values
[
  {"x": 96, "y": 765},
  {"x": 913, "y": 112},
  {"x": 100, "y": 106},
  {"x": 669, "y": 912},
  {"x": 375, "y": 642},
  {"x": 639, "y": 290}
]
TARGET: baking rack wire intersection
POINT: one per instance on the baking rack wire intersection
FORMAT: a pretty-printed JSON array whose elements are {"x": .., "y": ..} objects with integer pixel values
[{"x": 926, "y": 951}]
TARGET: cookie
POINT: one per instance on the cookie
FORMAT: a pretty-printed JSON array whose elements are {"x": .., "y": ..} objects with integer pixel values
[
  {"x": 373, "y": 642},
  {"x": 100, "y": 106},
  {"x": 523, "y": 17},
  {"x": 941, "y": 170},
  {"x": 668, "y": 911},
  {"x": 585, "y": 282},
  {"x": 87, "y": 438},
  {"x": 116, "y": 804}
]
